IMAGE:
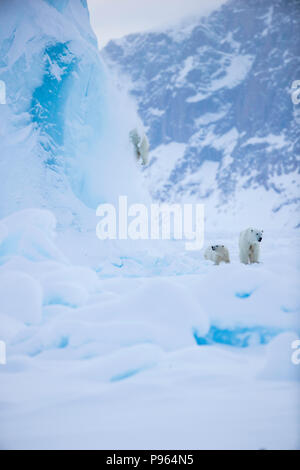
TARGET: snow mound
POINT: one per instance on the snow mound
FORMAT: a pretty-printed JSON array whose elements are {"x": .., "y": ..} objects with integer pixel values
[
  {"x": 29, "y": 233},
  {"x": 278, "y": 364},
  {"x": 65, "y": 294},
  {"x": 20, "y": 297},
  {"x": 238, "y": 296},
  {"x": 123, "y": 363}
]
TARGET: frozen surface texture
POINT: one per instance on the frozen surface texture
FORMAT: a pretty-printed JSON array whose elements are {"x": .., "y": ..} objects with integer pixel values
[
  {"x": 119, "y": 345},
  {"x": 134, "y": 358}
]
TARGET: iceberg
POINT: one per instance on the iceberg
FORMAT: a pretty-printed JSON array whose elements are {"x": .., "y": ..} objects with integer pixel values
[{"x": 65, "y": 126}]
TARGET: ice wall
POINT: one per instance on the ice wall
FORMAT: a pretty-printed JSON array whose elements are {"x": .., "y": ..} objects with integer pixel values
[{"x": 64, "y": 130}]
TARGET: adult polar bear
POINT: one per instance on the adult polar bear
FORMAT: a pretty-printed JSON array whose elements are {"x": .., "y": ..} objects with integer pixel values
[
  {"x": 140, "y": 145},
  {"x": 249, "y": 245}
]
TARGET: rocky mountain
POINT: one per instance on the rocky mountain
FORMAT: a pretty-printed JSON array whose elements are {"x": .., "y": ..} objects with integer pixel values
[{"x": 215, "y": 95}]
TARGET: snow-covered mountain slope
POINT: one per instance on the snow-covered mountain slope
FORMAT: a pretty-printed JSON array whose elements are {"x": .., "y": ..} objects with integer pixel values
[
  {"x": 63, "y": 140},
  {"x": 215, "y": 94}
]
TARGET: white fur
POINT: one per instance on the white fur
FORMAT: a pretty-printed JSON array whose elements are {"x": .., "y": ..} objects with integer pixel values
[
  {"x": 140, "y": 145},
  {"x": 144, "y": 150},
  {"x": 249, "y": 245},
  {"x": 217, "y": 254}
]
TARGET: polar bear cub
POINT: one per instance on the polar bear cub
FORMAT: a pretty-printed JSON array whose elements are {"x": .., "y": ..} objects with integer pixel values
[
  {"x": 249, "y": 245},
  {"x": 217, "y": 254}
]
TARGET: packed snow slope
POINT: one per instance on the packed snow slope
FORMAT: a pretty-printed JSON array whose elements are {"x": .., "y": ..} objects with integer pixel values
[{"x": 215, "y": 95}]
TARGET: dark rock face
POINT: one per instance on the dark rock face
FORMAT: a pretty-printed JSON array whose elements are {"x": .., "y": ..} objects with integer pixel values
[{"x": 222, "y": 86}]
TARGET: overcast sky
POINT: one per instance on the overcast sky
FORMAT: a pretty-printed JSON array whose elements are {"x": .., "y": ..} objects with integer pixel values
[{"x": 116, "y": 18}]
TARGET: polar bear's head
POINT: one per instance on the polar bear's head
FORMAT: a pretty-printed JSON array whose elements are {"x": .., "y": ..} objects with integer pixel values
[
  {"x": 222, "y": 251},
  {"x": 218, "y": 248},
  {"x": 255, "y": 235}
]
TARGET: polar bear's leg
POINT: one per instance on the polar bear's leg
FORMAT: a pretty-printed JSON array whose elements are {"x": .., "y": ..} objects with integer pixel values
[
  {"x": 251, "y": 254},
  {"x": 243, "y": 251},
  {"x": 255, "y": 253},
  {"x": 217, "y": 260},
  {"x": 244, "y": 255},
  {"x": 226, "y": 257},
  {"x": 144, "y": 150}
]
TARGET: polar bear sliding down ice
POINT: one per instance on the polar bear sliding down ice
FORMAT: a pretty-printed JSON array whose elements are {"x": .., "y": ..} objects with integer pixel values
[
  {"x": 141, "y": 146},
  {"x": 217, "y": 254},
  {"x": 249, "y": 245}
]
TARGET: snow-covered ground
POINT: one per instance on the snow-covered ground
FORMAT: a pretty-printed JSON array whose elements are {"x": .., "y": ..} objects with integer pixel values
[
  {"x": 146, "y": 351},
  {"x": 138, "y": 344}
]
